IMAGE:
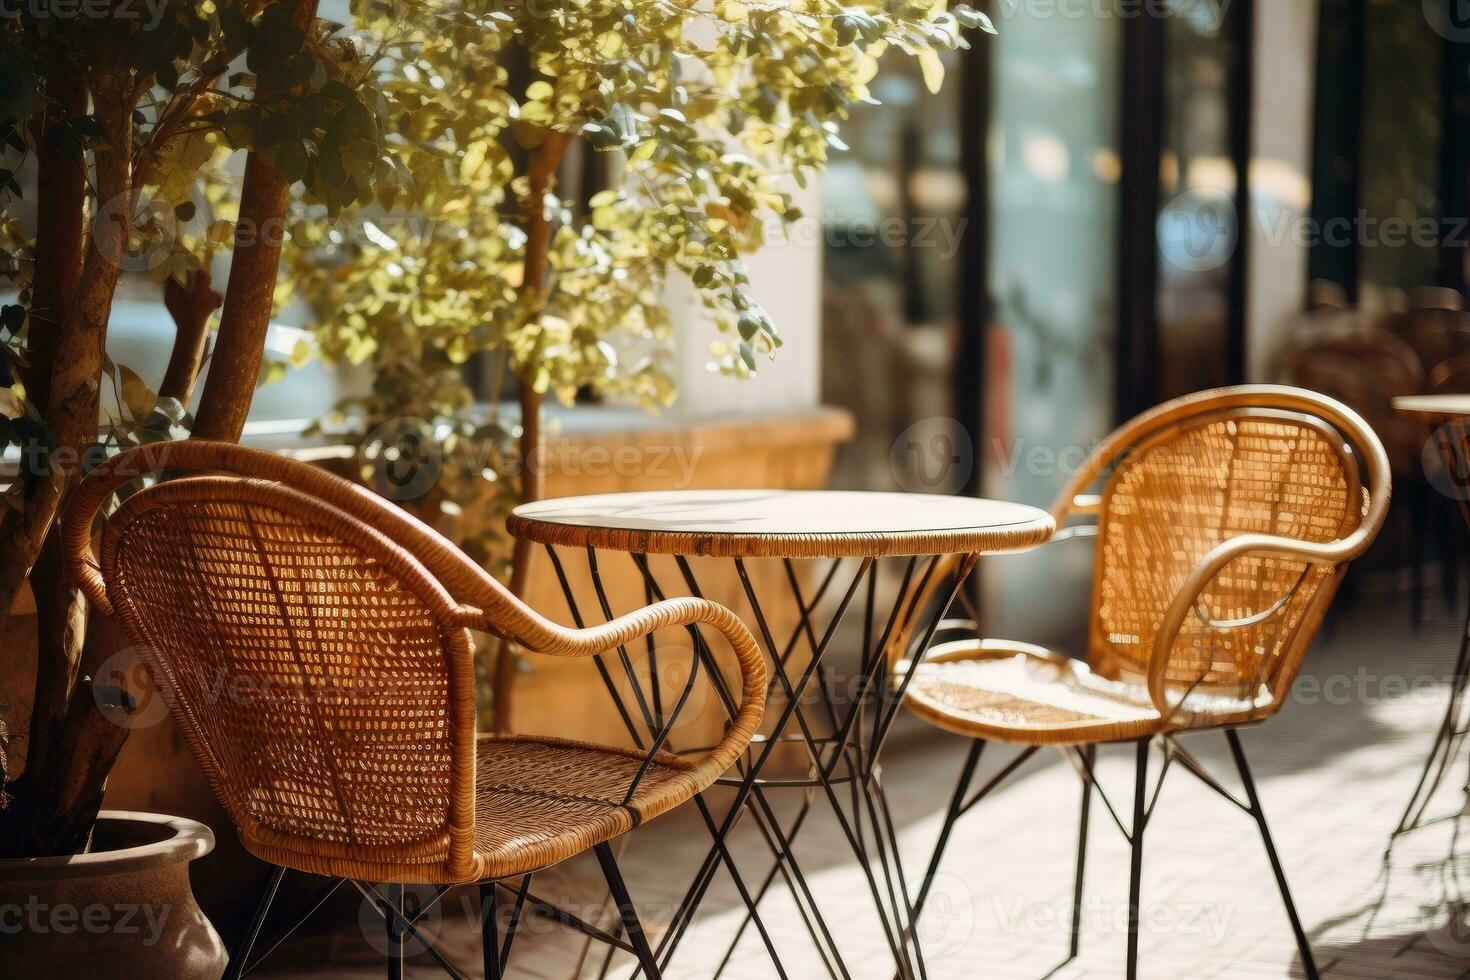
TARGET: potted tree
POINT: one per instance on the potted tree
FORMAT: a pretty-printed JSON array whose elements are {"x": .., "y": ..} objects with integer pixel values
[
  {"x": 116, "y": 124},
  {"x": 686, "y": 126}
]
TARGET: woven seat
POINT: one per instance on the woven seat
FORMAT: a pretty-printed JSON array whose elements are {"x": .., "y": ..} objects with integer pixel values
[
  {"x": 535, "y": 795},
  {"x": 1004, "y": 691}
]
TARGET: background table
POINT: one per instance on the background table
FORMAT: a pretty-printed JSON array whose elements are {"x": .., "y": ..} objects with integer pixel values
[
  {"x": 1448, "y": 416},
  {"x": 889, "y": 567}
]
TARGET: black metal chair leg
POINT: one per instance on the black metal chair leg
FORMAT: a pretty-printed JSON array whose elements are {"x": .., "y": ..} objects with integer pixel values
[
  {"x": 395, "y": 932},
  {"x": 1303, "y": 947},
  {"x": 1076, "y": 943},
  {"x": 1418, "y": 521},
  {"x": 956, "y": 806},
  {"x": 1135, "y": 839},
  {"x": 627, "y": 911},
  {"x": 242, "y": 951},
  {"x": 490, "y": 930},
  {"x": 1452, "y": 543}
]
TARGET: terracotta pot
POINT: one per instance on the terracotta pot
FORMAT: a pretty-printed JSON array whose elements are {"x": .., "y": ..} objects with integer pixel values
[{"x": 123, "y": 910}]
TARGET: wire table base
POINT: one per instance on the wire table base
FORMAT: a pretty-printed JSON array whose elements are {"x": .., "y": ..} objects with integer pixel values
[{"x": 1452, "y": 439}]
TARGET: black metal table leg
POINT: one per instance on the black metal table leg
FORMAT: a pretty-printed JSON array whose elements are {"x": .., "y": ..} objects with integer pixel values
[
  {"x": 1454, "y": 446},
  {"x": 1446, "y": 743},
  {"x": 839, "y": 726}
]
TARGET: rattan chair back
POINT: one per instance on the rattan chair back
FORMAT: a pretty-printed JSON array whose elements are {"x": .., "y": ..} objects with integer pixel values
[
  {"x": 1215, "y": 515},
  {"x": 1364, "y": 368},
  {"x": 320, "y": 667},
  {"x": 1436, "y": 335},
  {"x": 1452, "y": 377}
]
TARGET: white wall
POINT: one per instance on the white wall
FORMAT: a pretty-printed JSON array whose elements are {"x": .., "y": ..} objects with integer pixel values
[
  {"x": 785, "y": 278},
  {"x": 1281, "y": 172}
]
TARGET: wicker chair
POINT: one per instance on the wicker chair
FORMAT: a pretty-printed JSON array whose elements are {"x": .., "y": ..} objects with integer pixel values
[
  {"x": 313, "y": 644},
  {"x": 1225, "y": 521},
  {"x": 1451, "y": 377},
  {"x": 1436, "y": 335}
]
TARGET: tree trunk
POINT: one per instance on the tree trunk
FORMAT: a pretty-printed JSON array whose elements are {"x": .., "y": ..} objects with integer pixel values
[
  {"x": 65, "y": 741},
  {"x": 542, "y": 172},
  {"x": 234, "y": 368},
  {"x": 60, "y": 208},
  {"x": 61, "y": 186}
]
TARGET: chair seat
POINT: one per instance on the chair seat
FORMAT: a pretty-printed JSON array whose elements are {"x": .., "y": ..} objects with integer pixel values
[
  {"x": 539, "y": 801},
  {"x": 1005, "y": 691}
]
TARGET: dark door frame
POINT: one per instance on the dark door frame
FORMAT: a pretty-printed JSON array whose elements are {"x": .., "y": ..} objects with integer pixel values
[
  {"x": 1145, "y": 51},
  {"x": 1337, "y": 141},
  {"x": 976, "y": 305}
]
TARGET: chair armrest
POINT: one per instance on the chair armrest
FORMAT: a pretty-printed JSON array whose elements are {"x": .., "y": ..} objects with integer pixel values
[
  {"x": 545, "y": 637},
  {"x": 1316, "y": 553},
  {"x": 1087, "y": 504}
]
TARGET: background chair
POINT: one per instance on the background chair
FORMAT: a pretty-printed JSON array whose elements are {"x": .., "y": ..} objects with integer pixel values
[
  {"x": 313, "y": 644},
  {"x": 1435, "y": 335},
  {"x": 1225, "y": 522},
  {"x": 1366, "y": 368}
]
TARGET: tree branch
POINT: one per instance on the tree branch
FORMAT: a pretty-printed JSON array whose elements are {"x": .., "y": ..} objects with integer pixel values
[
  {"x": 191, "y": 307},
  {"x": 541, "y": 169}
]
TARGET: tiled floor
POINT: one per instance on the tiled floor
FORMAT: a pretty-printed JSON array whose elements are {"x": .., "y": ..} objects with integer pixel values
[{"x": 1334, "y": 771}]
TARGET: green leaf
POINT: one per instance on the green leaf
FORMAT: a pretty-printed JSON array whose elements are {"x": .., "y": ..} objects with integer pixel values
[
  {"x": 12, "y": 317},
  {"x": 136, "y": 395},
  {"x": 289, "y": 157},
  {"x": 932, "y": 68},
  {"x": 88, "y": 129},
  {"x": 747, "y": 354},
  {"x": 972, "y": 18},
  {"x": 749, "y": 324}
]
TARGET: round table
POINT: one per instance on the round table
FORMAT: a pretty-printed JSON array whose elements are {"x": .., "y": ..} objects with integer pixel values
[
  {"x": 889, "y": 565},
  {"x": 1448, "y": 416},
  {"x": 1433, "y": 409}
]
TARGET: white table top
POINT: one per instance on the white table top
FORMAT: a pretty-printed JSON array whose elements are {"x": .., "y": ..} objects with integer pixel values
[
  {"x": 783, "y": 523},
  {"x": 1432, "y": 408}
]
